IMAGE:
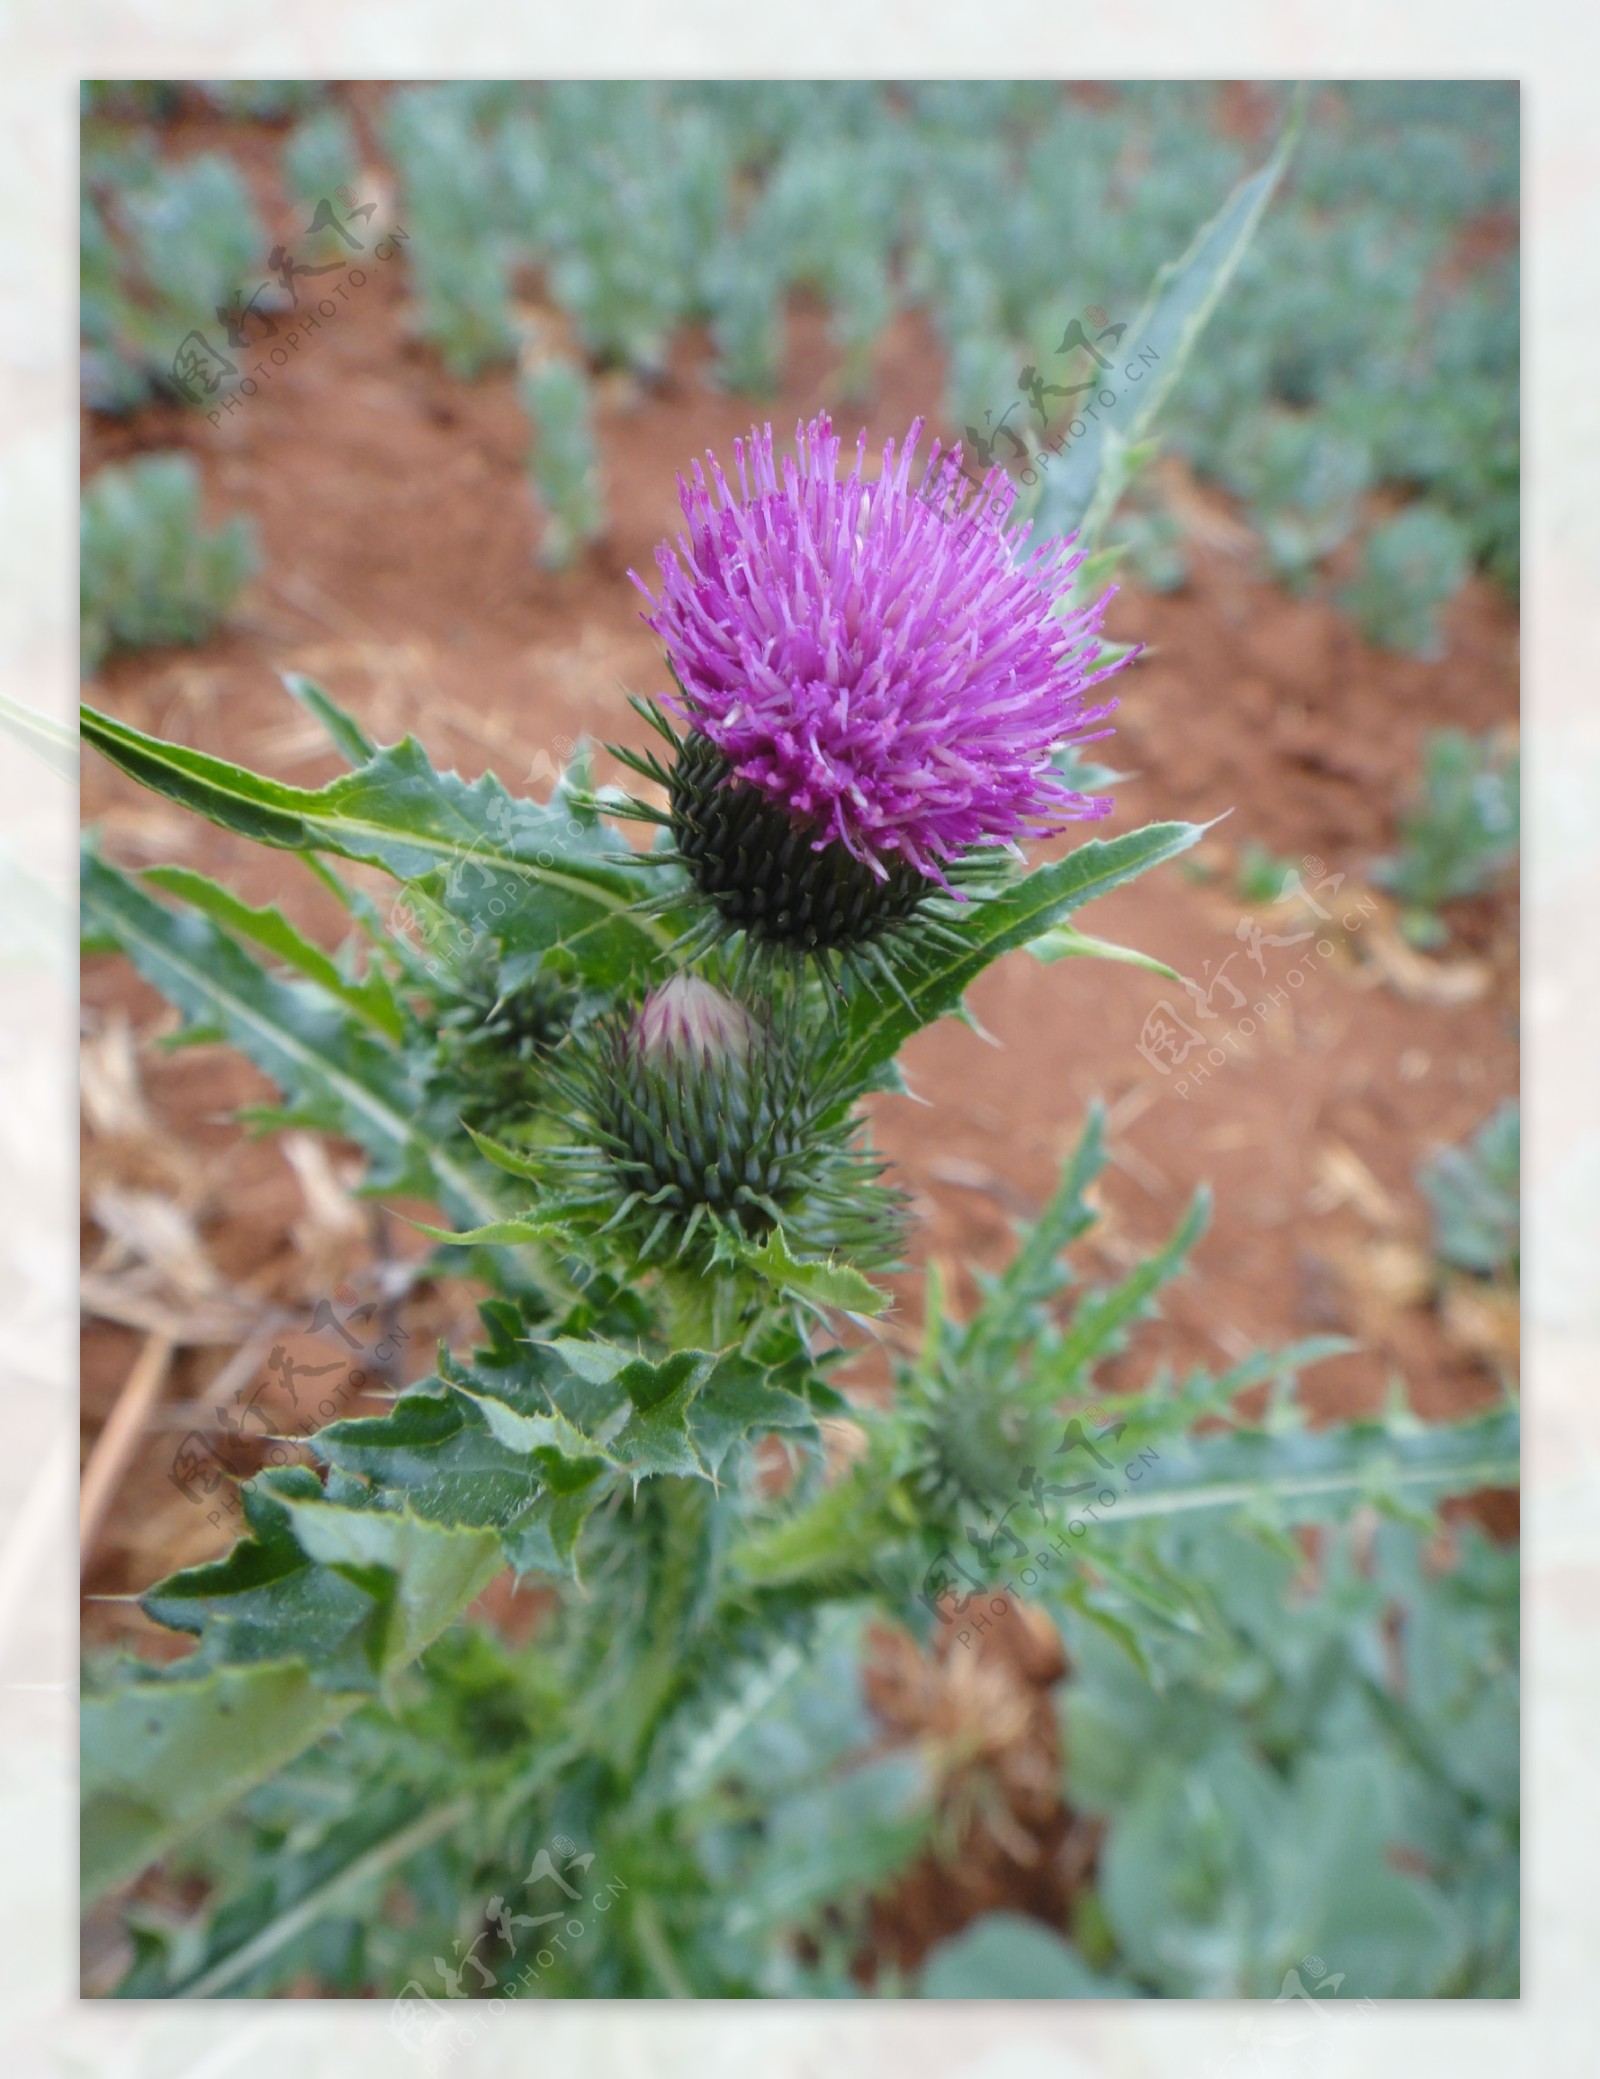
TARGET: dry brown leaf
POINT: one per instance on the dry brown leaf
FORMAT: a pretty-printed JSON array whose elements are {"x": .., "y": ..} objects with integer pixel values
[
  {"x": 1385, "y": 1277},
  {"x": 1484, "y": 1323},
  {"x": 1343, "y": 1179},
  {"x": 1413, "y": 976},
  {"x": 844, "y": 1444},
  {"x": 333, "y": 1233},
  {"x": 149, "y": 1228},
  {"x": 109, "y": 1088},
  {"x": 137, "y": 1299}
]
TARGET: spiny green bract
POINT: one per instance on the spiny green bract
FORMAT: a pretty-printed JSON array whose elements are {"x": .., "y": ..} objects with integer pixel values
[
  {"x": 150, "y": 571},
  {"x": 494, "y": 1045},
  {"x": 698, "y": 1112},
  {"x": 761, "y": 873}
]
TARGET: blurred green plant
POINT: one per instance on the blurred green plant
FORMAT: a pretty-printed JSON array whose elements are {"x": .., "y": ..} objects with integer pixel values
[
  {"x": 1411, "y": 566},
  {"x": 264, "y": 100},
  {"x": 563, "y": 462},
  {"x": 320, "y": 156},
  {"x": 1302, "y": 483},
  {"x": 1317, "y": 1796},
  {"x": 636, "y": 207},
  {"x": 1473, "y": 1195},
  {"x": 163, "y": 247},
  {"x": 459, "y": 256},
  {"x": 150, "y": 571},
  {"x": 745, "y": 289},
  {"x": 1152, "y": 540},
  {"x": 1259, "y": 875},
  {"x": 1461, "y": 836},
  {"x": 1369, "y": 338},
  {"x": 132, "y": 100}
]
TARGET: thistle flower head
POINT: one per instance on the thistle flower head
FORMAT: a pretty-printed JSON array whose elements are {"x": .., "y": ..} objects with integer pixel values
[{"x": 876, "y": 660}]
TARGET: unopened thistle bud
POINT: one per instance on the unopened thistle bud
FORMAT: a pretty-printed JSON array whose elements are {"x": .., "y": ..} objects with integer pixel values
[{"x": 696, "y": 1111}]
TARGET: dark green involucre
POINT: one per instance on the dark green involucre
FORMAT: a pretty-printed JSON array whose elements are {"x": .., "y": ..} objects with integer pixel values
[
  {"x": 756, "y": 870},
  {"x": 698, "y": 1113},
  {"x": 494, "y": 1045}
]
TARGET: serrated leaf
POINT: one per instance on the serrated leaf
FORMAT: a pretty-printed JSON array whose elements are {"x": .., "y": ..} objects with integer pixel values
[
  {"x": 158, "y": 1759},
  {"x": 875, "y": 1027},
  {"x": 1099, "y": 1317},
  {"x": 1007, "y": 1318},
  {"x": 437, "y": 1454},
  {"x": 528, "y": 875},
  {"x": 268, "y": 1600},
  {"x": 544, "y": 1539},
  {"x": 1084, "y": 483},
  {"x": 820, "y": 1283},
  {"x": 335, "y": 1073},
  {"x": 656, "y": 1437},
  {"x": 372, "y": 1000},
  {"x": 437, "y": 1568},
  {"x": 737, "y": 1401},
  {"x": 1307, "y": 1473},
  {"x": 516, "y": 1162},
  {"x": 595, "y": 1361},
  {"x": 167, "y": 1750},
  {"x": 495, "y": 1233},
  {"x": 349, "y": 738}
]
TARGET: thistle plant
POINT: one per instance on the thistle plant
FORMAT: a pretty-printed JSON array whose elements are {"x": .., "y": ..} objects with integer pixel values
[
  {"x": 563, "y": 462},
  {"x": 150, "y": 570},
  {"x": 1459, "y": 836},
  {"x": 163, "y": 248},
  {"x": 633, "y": 1083},
  {"x": 1473, "y": 1197},
  {"x": 1411, "y": 566},
  {"x": 321, "y": 155},
  {"x": 460, "y": 258}
]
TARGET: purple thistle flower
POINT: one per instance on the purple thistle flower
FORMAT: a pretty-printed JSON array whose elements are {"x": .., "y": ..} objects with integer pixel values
[{"x": 877, "y": 660}]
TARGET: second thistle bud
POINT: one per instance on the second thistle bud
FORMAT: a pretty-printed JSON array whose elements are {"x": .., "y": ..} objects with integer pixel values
[{"x": 696, "y": 1111}]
